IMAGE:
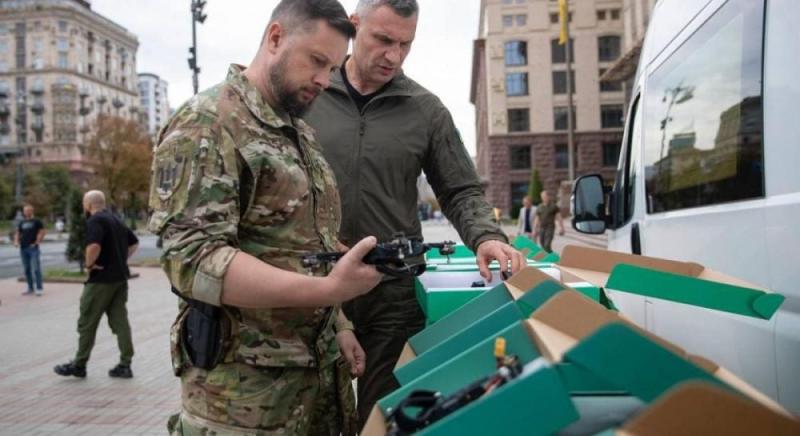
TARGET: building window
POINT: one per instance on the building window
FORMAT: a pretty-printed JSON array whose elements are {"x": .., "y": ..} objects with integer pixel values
[
  {"x": 558, "y": 53},
  {"x": 62, "y": 60},
  {"x": 508, "y": 20},
  {"x": 62, "y": 44},
  {"x": 520, "y": 157},
  {"x": 560, "y": 82},
  {"x": 601, "y": 15},
  {"x": 516, "y": 84},
  {"x": 3, "y": 66},
  {"x": 611, "y": 154},
  {"x": 608, "y": 48},
  {"x": 560, "y": 118},
  {"x": 62, "y": 26},
  {"x": 615, "y": 14},
  {"x": 522, "y": 20},
  {"x": 3, "y": 46},
  {"x": 561, "y": 156},
  {"x": 507, "y": 2},
  {"x": 519, "y": 120},
  {"x": 611, "y": 116},
  {"x": 516, "y": 53},
  {"x": 609, "y": 86},
  {"x": 705, "y": 146}
]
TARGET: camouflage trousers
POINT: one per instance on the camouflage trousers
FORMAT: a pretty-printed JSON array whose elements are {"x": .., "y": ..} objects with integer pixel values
[{"x": 239, "y": 399}]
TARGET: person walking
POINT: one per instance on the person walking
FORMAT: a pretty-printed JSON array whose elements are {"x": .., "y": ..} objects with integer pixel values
[
  {"x": 547, "y": 214},
  {"x": 109, "y": 244},
  {"x": 29, "y": 235},
  {"x": 526, "y": 217}
]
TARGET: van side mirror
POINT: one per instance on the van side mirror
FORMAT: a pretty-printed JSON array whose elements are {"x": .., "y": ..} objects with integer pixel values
[{"x": 589, "y": 205}]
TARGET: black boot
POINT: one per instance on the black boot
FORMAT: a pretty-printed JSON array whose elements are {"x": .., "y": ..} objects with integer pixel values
[
  {"x": 69, "y": 368},
  {"x": 120, "y": 371}
]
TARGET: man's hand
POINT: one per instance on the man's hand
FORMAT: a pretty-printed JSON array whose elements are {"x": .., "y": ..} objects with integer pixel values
[
  {"x": 496, "y": 250},
  {"x": 352, "y": 351},
  {"x": 351, "y": 277}
]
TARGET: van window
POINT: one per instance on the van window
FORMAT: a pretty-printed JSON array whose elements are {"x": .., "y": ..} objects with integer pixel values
[
  {"x": 622, "y": 198},
  {"x": 704, "y": 123}
]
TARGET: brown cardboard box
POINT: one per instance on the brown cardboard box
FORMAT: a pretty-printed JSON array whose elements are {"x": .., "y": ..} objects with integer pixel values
[{"x": 699, "y": 409}]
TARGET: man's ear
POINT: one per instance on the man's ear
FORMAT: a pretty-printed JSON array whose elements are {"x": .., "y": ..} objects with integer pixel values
[
  {"x": 356, "y": 20},
  {"x": 275, "y": 36}
]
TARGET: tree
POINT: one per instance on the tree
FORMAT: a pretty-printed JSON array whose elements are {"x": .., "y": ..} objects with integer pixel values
[
  {"x": 57, "y": 186},
  {"x": 35, "y": 193},
  {"x": 121, "y": 153},
  {"x": 77, "y": 229},
  {"x": 6, "y": 198},
  {"x": 535, "y": 187}
]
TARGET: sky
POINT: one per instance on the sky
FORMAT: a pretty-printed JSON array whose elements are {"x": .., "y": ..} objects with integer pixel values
[{"x": 440, "y": 59}]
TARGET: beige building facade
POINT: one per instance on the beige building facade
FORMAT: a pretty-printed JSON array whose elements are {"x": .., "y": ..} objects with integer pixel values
[
  {"x": 61, "y": 64},
  {"x": 519, "y": 93}
]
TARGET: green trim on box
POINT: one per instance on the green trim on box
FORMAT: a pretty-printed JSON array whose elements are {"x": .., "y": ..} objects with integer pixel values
[
  {"x": 634, "y": 363},
  {"x": 696, "y": 292},
  {"x": 443, "y": 301},
  {"x": 580, "y": 381},
  {"x": 536, "y": 404},
  {"x": 508, "y": 314},
  {"x": 419, "y": 291},
  {"x": 522, "y": 243},
  {"x": 551, "y": 257},
  {"x": 489, "y": 325},
  {"x": 534, "y": 298},
  {"x": 474, "y": 363},
  {"x": 461, "y": 250},
  {"x": 456, "y": 321}
]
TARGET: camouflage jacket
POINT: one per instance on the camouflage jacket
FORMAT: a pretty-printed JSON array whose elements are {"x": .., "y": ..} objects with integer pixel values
[{"x": 230, "y": 175}]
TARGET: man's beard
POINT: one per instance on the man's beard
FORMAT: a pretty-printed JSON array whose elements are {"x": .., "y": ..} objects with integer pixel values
[{"x": 288, "y": 100}]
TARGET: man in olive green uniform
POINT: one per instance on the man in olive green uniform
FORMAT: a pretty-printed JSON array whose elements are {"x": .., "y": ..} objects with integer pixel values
[
  {"x": 240, "y": 192},
  {"x": 379, "y": 130},
  {"x": 544, "y": 224}
]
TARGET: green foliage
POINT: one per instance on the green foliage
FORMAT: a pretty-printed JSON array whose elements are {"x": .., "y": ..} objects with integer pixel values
[
  {"x": 76, "y": 223},
  {"x": 57, "y": 185},
  {"x": 535, "y": 187},
  {"x": 6, "y": 198}
]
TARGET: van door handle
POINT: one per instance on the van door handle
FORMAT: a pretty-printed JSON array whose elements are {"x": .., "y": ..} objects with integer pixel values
[{"x": 636, "y": 241}]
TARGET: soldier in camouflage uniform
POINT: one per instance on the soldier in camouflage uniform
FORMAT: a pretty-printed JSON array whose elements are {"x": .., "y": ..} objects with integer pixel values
[{"x": 240, "y": 192}]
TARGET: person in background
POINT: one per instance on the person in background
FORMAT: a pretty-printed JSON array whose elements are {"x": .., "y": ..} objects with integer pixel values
[
  {"x": 526, "y": 217},
  {"x": 29, "y": 235},
  {"x": 109, "y": 244},
  {"x": 547, "y": 213}
]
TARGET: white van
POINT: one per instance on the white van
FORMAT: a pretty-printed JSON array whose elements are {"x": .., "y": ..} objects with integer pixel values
[{"x": 709, "y": 172}]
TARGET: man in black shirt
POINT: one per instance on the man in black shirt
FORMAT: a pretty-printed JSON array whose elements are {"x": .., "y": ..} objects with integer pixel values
[
  {"x": 30, "y": 232},
  {"x": 109, "y": 244}
]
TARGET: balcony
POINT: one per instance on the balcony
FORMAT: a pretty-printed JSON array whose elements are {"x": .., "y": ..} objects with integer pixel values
[{"x": 37, "y": 108}]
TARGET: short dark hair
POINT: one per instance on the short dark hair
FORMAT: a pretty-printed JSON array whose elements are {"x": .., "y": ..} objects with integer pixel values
[
  {"x": 301, "y": 14},
  {"x": 404, "y": 8}
]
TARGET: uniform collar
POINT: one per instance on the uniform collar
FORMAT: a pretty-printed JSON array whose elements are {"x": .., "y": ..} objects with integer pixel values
[
  {"x": 255, "y": 102},
  {"x": 399, "y": 87}
]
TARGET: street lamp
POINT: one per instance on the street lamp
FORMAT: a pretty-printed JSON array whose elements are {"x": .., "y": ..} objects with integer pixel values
[{"x": 197, "y": 17}]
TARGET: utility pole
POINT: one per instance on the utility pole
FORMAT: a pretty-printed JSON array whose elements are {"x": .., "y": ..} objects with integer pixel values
[
  {"x": 570, "y": 107},
  {"x": 197, "y": 17}
]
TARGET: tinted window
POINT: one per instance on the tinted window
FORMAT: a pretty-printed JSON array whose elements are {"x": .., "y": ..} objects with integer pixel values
[
  {"x": 560, "y": 118},
  {"x": 516, "y": 53},
  {"x": 558, "y": 53},
  {"x": 520, "y": 157},
  {"x": 519, "y": 120},
  {"x": 611, "y": 115},
  {"x": 560, "y": 82},
  {"x": 608, "y": 48},
  {"x": 704, "y": 126},
  {"x": 610, "y": 154}
]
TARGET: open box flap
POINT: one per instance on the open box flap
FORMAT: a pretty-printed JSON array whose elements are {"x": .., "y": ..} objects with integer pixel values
[{"x": 700, "y": 409}]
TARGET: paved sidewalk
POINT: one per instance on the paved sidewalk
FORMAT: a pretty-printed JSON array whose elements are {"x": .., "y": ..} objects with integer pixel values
[{"x": 37, "y": 333}]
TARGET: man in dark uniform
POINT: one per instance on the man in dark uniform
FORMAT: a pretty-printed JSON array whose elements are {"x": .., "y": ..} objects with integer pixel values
[
  {"x": 379, "y": 130},
  {"x": 545, "y": 223},
  {"x": 109, "y": 244}
]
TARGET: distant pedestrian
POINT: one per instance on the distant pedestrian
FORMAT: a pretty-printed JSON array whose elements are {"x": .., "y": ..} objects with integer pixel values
[
  {"x": 109, "y": 244},
  {"x": 544, "y": 225},
  {"x": 29, "y": 234},
  {"x": 60, "y": 225},
  {"x": 525, "y": 219}
]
